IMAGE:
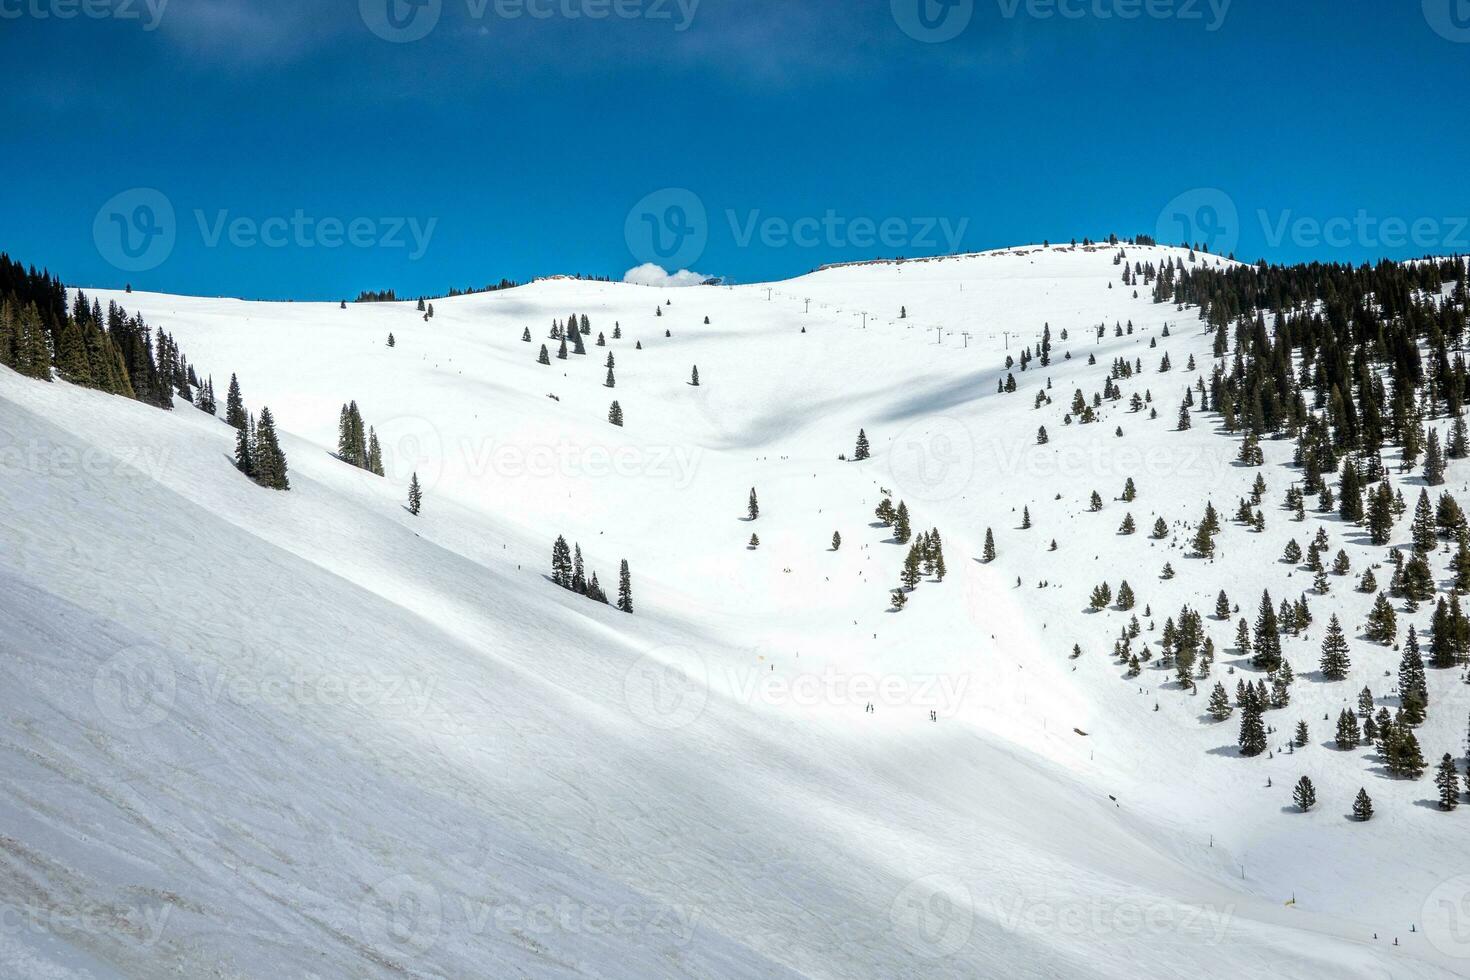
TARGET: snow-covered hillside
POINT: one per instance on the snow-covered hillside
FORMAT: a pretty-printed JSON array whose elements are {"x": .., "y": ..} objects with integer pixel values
[{"x": 307, "y": 733}]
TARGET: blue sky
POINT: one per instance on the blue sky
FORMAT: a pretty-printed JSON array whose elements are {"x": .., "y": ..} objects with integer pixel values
[{"x": 288, "y": 149}]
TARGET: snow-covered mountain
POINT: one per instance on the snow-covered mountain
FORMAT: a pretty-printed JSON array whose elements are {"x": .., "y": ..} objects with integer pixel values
[{"x": 308, "y": 733}]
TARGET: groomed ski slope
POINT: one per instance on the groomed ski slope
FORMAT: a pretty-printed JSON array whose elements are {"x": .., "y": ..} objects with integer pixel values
[{"x": 250, "y": 733}]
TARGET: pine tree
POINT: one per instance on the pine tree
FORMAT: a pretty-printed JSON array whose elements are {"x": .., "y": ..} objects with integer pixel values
[
  {"x": 1222, "y": 606},
  {"x": 753, "y": 507},
  {"x": 544, "y": 357},
  {"x": 615, "y": 414},
  {"x": 270, "y": 460},
  {"x": 861, "y": 452},
  {"x": 1219, "y": 706},
  {"x": 911, "y": 574},
  {"x": 415, "y": 495},
  {"x": 1422, "y": 529},
  {"x": 1305, "y": 796},
  {"x": 579, "y": 571},
  {"x": 694, "y": 377},
  {"x": 611, "y": 382},
  {"x": 625, "y": 588},
  {"x": 244, "y": 450},
  {"x": 1161, "y": 530},
  {"x": 988, "y": 555},
  {"x": 1126, "y": 599},
  {"x": 1335, "y": 661},
  {"x": 235, "y": 405},
  {"x": 1252, "y": 737},
  {"x": 1447, "y": 778},
  {"x": 1412, "y": 680},
  {"x": 1363, "y": 805},
  {"x": 1267, "y": 641},
  {"x": 1303, "y": 736},
  {"x": 561, "y": 563},
  {"x": 901, "y": 529},
  {"x": 1433, "y": 461},
  {"x": 836, "y": 541}
]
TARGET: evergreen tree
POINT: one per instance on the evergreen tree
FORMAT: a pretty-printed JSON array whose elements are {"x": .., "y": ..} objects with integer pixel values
[
  {"x": 753, "y": 507},
  {"x": 1267, "y": 643},
  {"x": 1252, "y": 737},
  {"x": 989, "y": 553},
  {"x": 415, "y": 495},
  {"x": 861, "y": 452},
  {"x": 1363, "y": 805},
  {"x": 1302, "y": 736},
  {"x": 1412, "y": 681},
  {"x": 235, "y": 405},
  {"x": 1433, "y": 461},
  {"x": 1219, "y": 706},
  {"x": 1305, "y": 796},
  {"x": 270, "y": 460},
  {"x": 901, "y": 530},
  {"x": 836, "y": 541},
  {"x": 910, "y": 574},
  {"x": 1423, "y": 530},
  {"x": 244, "y": 450},
  {"x": 1447, "y": 778},
  {"x": 694, "y": 377},
  {"x": 561, "y": 563},
  {"x": 625, "y": 588},
  {"x": 544, "y": 357},
  {"x": 1335, "y": 660}
]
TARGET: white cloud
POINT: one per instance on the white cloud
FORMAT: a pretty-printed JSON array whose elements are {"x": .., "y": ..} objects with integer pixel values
[{"x": 650, "y": 274}]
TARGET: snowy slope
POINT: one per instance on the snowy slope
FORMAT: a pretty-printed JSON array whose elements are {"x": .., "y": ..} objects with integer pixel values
[{"x": 309, "y": 734}]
